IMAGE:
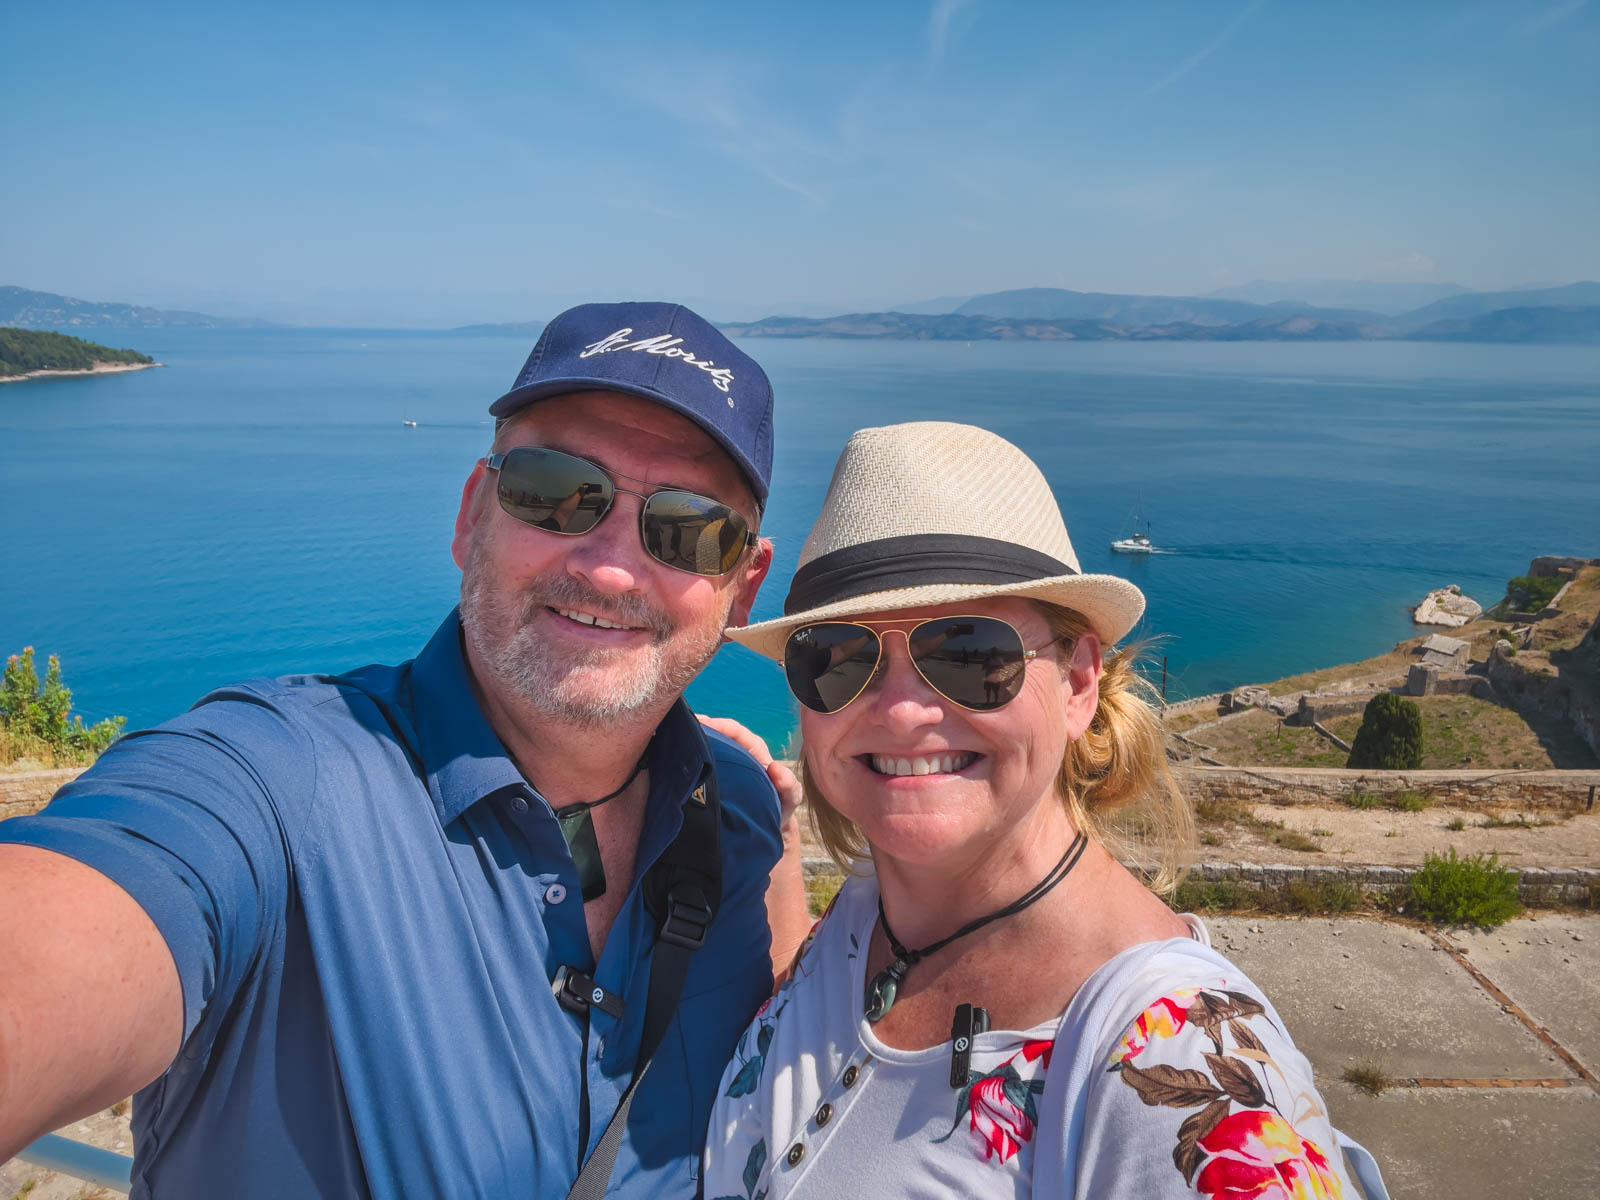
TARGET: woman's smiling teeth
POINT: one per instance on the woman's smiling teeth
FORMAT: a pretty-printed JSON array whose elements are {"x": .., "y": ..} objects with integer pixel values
[
  {"x": 584, "y": 618},
  {"x": 933, "y": 764}
]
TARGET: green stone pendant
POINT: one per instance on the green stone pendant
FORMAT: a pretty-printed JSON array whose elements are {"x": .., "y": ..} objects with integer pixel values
[
  {"x": 884, "y": 988},
  {"x": 578, "y": 830}
]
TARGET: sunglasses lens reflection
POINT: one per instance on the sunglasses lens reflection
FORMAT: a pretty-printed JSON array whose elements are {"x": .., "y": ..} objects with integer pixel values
[
  {"x": 565, "y": 494},
  {"x": 553, "y": 491},
  {"x": 828, "y": 665},
  {"x": 693, "y": 533},
  {"x": 978, "y": 662},
  {"x": 975, "y": 661}
]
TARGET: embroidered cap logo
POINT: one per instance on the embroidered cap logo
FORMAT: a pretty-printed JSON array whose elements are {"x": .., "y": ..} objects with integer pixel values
[{"x": 664, "y": 344}]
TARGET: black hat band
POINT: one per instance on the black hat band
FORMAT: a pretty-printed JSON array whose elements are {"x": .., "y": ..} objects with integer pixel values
[{"x": 913, "y": 561}]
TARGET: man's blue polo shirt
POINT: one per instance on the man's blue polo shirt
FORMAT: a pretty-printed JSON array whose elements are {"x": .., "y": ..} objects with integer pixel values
[{"x": 366, "y": 903}]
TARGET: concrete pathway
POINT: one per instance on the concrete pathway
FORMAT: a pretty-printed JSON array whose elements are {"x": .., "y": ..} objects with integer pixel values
[{"x": 1494, "y": 1039}]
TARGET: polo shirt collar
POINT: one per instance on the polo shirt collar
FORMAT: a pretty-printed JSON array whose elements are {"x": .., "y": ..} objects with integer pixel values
[{"x": 463, "y": 758}]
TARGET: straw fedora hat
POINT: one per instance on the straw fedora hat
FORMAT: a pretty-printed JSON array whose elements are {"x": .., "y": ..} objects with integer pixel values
[{"x": 931, "y": 512}]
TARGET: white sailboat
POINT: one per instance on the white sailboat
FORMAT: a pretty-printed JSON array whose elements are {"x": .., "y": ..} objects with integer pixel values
[{"x": 1139, "y": 541}]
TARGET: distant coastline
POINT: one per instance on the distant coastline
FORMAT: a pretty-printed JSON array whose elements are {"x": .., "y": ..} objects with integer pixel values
[{"x": 97, "y": 369}]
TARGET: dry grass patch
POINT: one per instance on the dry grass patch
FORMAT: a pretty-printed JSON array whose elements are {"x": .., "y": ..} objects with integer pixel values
[
  {"x": 1369, "y": 1078},
  {"x": 1384, "y": 669},
  {"x": 1260, "y": 739},
  {"x": 1236, "y": 814}
]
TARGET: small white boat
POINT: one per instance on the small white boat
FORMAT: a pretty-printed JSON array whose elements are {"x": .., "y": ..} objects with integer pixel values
[
  {"x": 1139, "y": 541},
  {"x": 409, "y": 424}
]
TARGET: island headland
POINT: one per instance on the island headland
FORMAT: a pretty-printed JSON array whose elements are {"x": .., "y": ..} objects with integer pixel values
[{"x": 34, "y": 354}]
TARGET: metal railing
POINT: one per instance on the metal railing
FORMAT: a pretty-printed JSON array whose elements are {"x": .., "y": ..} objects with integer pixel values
[{"x": 100, "y": 1167}]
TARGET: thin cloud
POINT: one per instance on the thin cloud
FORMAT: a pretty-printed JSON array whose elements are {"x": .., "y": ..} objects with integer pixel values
[
  {"x": 939, "y": 21},
  {"x": 725, "y": 116},
  {"x": 1206, "y": 51},
  {"x": 1553, "y": 16}
]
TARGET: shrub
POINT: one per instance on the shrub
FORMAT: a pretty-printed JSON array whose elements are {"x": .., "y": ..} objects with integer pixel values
[
  {"x": 1530, "y": 593},
  {"x": 1463, "y": 891},
  {"x": 1390, "y": 737},
  {"x": 1409, "y": 800},
  {"x": 1209, "y": 895},
  {"x": 1324, "y": 896},
  {"x": 1302, "y": 897},
  {"x": 1363, "y": 799},
  {"x": 36, "y": 716}
]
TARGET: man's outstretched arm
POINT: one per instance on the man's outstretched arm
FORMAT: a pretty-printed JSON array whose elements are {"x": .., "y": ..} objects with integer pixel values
[{"x": 91, "y": 1008}]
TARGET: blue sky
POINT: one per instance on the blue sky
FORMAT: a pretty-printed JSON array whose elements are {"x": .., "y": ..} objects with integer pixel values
[{"x": 411, "y": 164}]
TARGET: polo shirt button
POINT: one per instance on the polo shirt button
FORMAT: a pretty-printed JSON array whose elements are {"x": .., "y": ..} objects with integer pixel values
[
  {"x": 520, "y": 804},
  {"x": 555, "y": 893},
  {"x": 850, "y": 1074},
  {"x": 796, "y": 1153},
  {"x": 824, "y": 1114}
]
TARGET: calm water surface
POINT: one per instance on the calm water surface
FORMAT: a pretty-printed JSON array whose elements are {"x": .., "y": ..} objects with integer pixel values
[{"x": 257, "y": 506}]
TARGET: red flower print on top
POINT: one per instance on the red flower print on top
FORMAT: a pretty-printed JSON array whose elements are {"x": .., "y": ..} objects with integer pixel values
[
  {"x": 1000, "y": 1106},
  {"x": 1257, "y": 1155},
  {"x": 998, "y": 1126},
  {"x": 1163, "y": 1019}
]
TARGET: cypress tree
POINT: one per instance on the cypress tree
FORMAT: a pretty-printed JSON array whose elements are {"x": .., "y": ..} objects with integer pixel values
[{"x": 1390, "y": 737}]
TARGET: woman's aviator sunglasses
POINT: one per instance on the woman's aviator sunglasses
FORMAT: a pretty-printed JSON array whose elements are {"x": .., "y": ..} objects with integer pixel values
[
  {"x": 562, "y": 493},
  {"x": 976, "y": 662}
]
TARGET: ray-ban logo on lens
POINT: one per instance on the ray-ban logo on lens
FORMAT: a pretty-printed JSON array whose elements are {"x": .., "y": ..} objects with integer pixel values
[{"x": 665, "y": 344}]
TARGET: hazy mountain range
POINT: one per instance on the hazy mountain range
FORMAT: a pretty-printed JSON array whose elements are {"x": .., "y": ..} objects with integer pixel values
[
  {"x": 1566, "y": 314},
  {"x": 24, "y": 309}
]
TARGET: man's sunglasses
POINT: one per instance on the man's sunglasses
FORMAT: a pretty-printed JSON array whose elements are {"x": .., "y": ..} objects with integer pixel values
[
  {"x": 562, "y": 493},
  {"x": 976, "y": 662}
]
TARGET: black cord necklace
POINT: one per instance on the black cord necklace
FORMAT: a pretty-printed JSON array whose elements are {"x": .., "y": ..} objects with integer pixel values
[
  {"x": 886, "y": 983},
  {"x": 577, "y": 827}
]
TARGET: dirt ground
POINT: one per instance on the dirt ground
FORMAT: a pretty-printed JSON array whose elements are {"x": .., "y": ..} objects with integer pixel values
[{"x": 1387, "y": 837}]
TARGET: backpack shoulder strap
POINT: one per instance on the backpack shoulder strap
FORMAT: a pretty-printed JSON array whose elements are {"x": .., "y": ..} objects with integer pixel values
[{"x": 682, "y": 891}]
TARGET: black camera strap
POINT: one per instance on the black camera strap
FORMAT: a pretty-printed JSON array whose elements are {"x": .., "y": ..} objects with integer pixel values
[{"x": 682, "y": 891}]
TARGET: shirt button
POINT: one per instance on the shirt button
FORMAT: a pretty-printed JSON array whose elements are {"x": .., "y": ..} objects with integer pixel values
[
  {"x": 796, "y": 1153},
  {"x": 850, "y": 1074},
  {"x": 824, "y": 1114},
  {"x": 555, "y": 893},
  {"x": 519, "y": 804}
]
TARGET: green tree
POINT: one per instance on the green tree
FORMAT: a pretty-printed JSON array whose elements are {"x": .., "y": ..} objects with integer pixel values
[
  {"x": 1530, "y": 593},
  {"x": 37, "y": 714},
  {"x": 1390, "y": 737}
]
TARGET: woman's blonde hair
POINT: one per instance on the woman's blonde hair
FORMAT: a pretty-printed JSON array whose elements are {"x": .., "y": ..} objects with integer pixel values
[{"x": 1115, "y": 780}]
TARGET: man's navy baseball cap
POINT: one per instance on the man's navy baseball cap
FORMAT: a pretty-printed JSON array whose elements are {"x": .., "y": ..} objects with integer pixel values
[{"x": 664, "y": 353}]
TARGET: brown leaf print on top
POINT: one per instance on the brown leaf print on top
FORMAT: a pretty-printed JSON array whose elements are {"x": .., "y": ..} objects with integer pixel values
[
  {"x": 1170, "y": 1086},
  {"x": 1237, "y": 1079}
]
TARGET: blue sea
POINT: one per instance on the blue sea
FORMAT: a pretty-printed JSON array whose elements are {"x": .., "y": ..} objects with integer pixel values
[{"x": 257, "y": 506}]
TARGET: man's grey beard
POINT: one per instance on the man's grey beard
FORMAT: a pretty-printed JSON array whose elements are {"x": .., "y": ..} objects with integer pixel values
[{"x": 584, "y": 687}]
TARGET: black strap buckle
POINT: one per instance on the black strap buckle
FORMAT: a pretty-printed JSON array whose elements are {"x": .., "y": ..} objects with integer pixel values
[
  {"x": 688, "y": 918},
  {"x": 577, "y": 993}
]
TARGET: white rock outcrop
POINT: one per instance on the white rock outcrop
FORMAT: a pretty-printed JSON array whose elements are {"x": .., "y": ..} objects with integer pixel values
[{"x": 1446, "y": 606}]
